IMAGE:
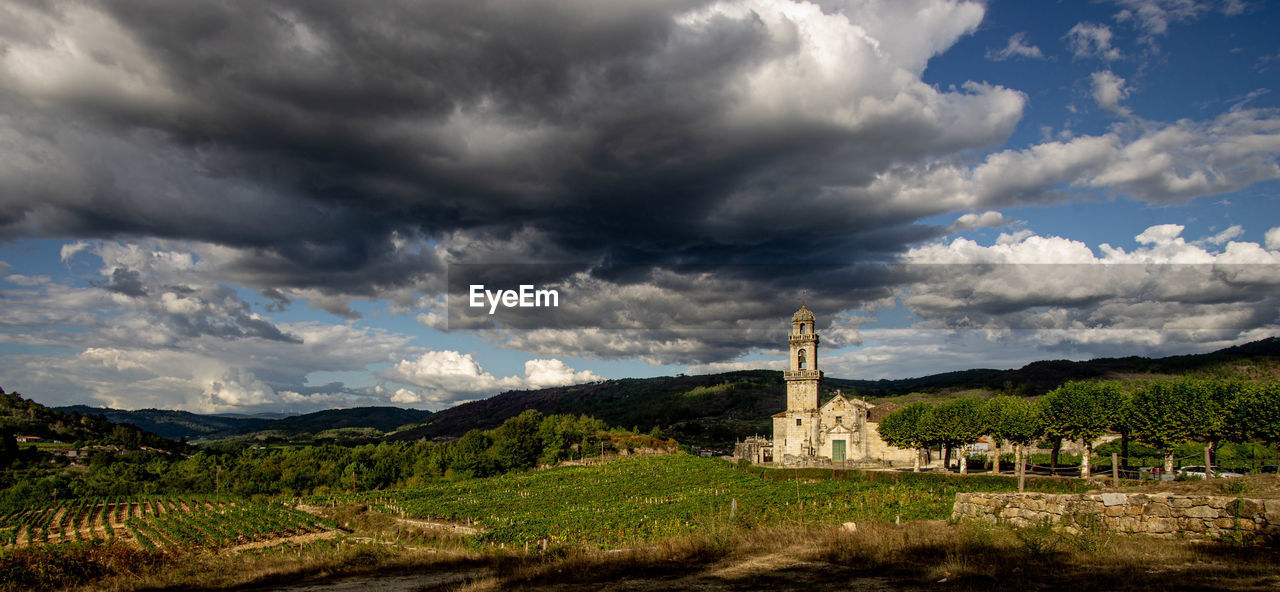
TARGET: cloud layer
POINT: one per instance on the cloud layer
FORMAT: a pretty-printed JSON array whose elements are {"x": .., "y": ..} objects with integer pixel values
[{"x": 689, "y": 166}]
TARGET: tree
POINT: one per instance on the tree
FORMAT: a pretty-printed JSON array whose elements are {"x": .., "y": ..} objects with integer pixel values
[
  {"x": 8, "y": 447},
  {"x": 515, "y": 443},
  {"x": 1080, "y": 411},
  {"x": 954, "y": 423},
  {"x": 471, "y": 455},
  {"x": 1255, "y": 414},
  {"x": 1122, "y": 422},
  {"x": 901, "y": 429},
  {"x": 1220, "y": 397},
  {"x": 1166, "y": 415},
  {"x": 1014, "y": 420},
  {"x": 1023, "y": 424}
]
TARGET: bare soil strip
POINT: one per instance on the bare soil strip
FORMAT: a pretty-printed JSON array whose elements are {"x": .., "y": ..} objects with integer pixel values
[
  {"x": 300, "y": 539},
  {"x": 445, "y": 526}
]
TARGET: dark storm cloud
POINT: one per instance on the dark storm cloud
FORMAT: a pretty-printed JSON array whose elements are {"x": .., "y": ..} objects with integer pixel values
[
  {"x": 123, "y": 281},
  {"x": 278, "y": 302},
  {"x": 670, "y": 152},
  {"x": 669, "y": 314},
  {"x": 309, "y": 133}
]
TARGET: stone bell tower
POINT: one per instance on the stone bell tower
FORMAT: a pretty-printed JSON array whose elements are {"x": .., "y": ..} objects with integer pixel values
[
  {"x": 802, "y": 374},
  {"x": 795, "y": 431}
]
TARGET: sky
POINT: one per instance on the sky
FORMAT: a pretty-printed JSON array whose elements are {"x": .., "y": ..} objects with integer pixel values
[{"x": 281, "y": 206}]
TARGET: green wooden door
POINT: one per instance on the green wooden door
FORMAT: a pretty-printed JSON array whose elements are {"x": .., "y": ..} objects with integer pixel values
[{"x": 837, "y": 450}]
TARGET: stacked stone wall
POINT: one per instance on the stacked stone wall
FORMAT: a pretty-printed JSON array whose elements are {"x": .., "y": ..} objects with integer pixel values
[{"x": 1158, "y": 514}]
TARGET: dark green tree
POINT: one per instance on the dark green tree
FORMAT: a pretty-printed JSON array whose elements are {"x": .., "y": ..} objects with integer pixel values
[
  {"x": 1014, "y": 420},
  {"x": 471, "y": 455},
  {"x": 1082, "y": 411},
  {"x": 1167, "y": 414},
  {"x": 955, "y": 423},
  {"x": 515, "y": 443},
  {"x": 1220, "y": 397},
  {"x": 902, "y": 429},
  {"x": 1255, "y": 414}
]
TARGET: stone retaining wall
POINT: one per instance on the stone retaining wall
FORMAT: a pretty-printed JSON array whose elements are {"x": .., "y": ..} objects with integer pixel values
[{"x": 1158, "y": 514}]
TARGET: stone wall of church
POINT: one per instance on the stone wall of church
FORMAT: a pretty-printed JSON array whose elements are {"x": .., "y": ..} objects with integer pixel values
[
  {"x": 789, "y": 438},
  {"x": 878, "y": 449}
]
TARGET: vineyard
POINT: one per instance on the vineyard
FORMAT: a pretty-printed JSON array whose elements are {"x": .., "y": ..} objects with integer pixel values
[
  {"x": 156, "y": 522},
  {"x": 640, "y": 500}
]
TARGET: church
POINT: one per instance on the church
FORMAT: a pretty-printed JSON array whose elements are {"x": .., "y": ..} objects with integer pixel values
[{"x": 841, "y": 431}]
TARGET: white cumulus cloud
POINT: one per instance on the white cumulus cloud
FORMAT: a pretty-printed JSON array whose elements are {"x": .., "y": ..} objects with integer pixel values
[
  {"x": 1017, "y": 47},
  {"x": 449, "y": 376},
  {"x": 1091, "y": 40},
  {"x": 1109, "y": 90}
]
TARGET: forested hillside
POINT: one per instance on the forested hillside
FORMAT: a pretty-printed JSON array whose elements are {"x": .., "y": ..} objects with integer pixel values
[
  {"x": 171, "y": 423},
  {"x": 708, "y": 410},
  {"x": 21, "y": 417},
  {"x": 718, "y": 408},
  {"x": 183, "y": 424}
]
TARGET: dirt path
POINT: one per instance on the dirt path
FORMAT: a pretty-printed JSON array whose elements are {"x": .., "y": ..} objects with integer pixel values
[
  {"x": 399, "y": 583},
  {"x": 773, "y": 571},
  {"x": 445, "y": 526},
  {"x": 300, "y": 539}
]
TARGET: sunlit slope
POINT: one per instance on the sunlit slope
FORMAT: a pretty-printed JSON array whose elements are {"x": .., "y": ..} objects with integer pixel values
[{"x": 642, "y": 499}]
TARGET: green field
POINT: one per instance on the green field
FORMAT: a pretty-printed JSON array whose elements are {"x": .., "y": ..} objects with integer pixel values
[
  {"x": 156, "y": 522},
  {"x": 640, "y": 500}
]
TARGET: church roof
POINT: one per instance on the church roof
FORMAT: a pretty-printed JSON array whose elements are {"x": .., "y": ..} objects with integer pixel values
[
  {"x": 879, "y": 412},
  {"x": 850, "y": 402},
  {"x": 803, "y": 314}
]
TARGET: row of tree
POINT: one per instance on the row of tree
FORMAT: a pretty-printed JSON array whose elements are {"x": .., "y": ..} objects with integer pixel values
[
  {"x": 521, "y": 442},
  {"x": 1163, "y": 414}
]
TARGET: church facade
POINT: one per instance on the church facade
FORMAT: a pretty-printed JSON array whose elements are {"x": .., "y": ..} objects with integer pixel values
[{"x": 841, "y": 431}]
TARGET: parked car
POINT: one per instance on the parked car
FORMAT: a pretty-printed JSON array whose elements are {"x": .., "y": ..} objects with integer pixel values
[{"x": 1198, "y": 472}]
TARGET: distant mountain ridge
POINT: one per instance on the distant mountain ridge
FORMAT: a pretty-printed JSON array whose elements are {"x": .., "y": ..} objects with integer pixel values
[
  {"x": 168, "y": 423},
  {"x": 184, "y": 424},
  {"x": 717, "y": 408},
  {"x": 704, "y": 409}
]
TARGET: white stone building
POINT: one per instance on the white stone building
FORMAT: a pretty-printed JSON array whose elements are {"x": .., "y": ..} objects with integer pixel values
[{"x": 840, "y": 431}]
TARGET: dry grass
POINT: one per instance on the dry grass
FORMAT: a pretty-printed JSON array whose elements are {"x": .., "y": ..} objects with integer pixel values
[
  {"x": 874, "y": 556},
  {"x": 291, "y": 566},
  {"x": 903, "y": 557}
]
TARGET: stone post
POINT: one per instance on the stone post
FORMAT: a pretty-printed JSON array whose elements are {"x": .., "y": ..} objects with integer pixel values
[
  {"x": 1084, "y": 459},
  {"x": 1115, "y": 469},
  {"x": 1022, "y": 468}
]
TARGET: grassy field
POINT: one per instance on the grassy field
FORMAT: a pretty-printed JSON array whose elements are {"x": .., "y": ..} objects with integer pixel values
[
  {"x": 672, "y": 517},
  {"x": 635, "y": 501}
]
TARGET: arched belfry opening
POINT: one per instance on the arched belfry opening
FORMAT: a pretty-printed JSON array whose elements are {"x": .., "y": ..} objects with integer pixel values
[{"x": 800, "y": 361}]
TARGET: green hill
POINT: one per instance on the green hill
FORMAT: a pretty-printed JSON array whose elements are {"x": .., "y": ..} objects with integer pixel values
[
  {"x": 383, "y": 419},
  {"x": 184, "y": 424},
  {"x": 709, "y": 410},
  {"x": 169, "y": 423},
  {"x": 23, "y": 417},
  {"x": 716, "y": 409}
]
